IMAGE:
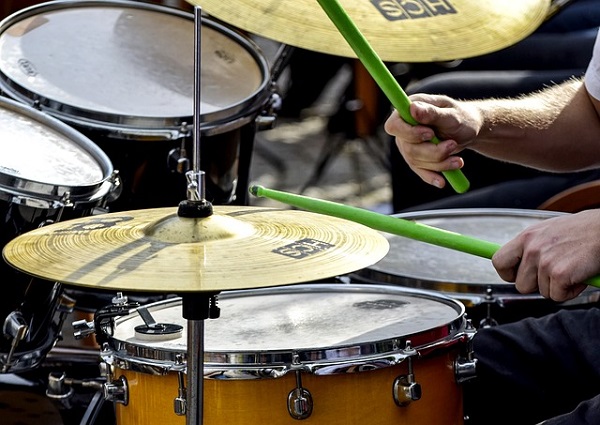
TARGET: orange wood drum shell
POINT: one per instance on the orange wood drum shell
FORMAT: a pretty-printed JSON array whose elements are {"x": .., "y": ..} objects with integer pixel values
[{"x": 352, "y": 398}]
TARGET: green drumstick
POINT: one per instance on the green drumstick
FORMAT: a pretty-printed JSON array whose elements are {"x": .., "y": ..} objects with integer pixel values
[
  {"x": 382, "y": 76},
  {"x": 382, "y": 222},
  {"x": 390, "y": 224}
]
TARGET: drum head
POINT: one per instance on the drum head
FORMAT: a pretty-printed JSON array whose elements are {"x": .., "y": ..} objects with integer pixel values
[
  {"x": 312, "y": 321},
  {"x": 421, "y": 265},
  {"x": 116, "y": 63},
  {"x": 45, "y": 158}
]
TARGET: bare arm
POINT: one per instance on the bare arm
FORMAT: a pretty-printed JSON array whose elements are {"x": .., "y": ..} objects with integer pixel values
[{"x": 556, "y": 129}]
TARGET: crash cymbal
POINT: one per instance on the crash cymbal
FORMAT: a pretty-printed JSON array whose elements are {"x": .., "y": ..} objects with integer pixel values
[
  {"x": 237, "y": 247},
  {"x": 413, "y": 31}
]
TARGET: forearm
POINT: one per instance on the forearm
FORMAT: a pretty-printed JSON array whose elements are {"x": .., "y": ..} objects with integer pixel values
[{"x": 556, "y": 129}]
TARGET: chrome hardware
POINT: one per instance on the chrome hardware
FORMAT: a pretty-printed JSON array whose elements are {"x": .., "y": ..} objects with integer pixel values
[
  {"x": 196, "y": 189},
  {"x": 268, "y": 117},
  {"x": 405, "y": 389},
  {"x": 177, "y": 159},
  {"x": 116, "y": 391},
  {"x": 465, "y": 366},
  {"x": 465, "y": 369},
  {"x": 15, "y": 327},
  {"x": 58, "y": 389},
  {"x": 104, "y": 317},
  {"x": 300, "y": 403},
  {"x": 115, "y": 190},
  {"x": 83, "y": 329},
  {"x": 119, "y": 299},
  {"x": 489, "y": 300},
  {"x": 266, "y": 122},
  {"x": 61, "y": 388},
  {"x": 180, "y": 402}
]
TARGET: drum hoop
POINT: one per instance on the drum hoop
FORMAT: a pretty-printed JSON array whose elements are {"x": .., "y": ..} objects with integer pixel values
[
  {"x": 160, "y": 128},
  {"x": 43, "y": 190},
  {"x": 275, "y": 363},
  {"x": 467, "y": 212}
]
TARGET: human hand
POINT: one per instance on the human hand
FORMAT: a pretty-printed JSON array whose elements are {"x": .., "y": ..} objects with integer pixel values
[
  {"x": 554, "y": 257},
  {"x": 456, "y": 125}
]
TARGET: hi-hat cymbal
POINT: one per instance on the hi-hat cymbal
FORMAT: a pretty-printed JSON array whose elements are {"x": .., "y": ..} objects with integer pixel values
[
  {"x": 412, "y": 31},
  {"x": 237, "y": 247}
]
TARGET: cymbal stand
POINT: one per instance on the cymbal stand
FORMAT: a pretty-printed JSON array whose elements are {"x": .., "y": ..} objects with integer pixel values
[
  {"x": 195, "y": 177},
  {"x": 196, "y": 306},
  {"x": 363, "y": 114}
]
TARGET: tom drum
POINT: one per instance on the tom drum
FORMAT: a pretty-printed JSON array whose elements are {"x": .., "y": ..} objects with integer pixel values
[
  {"x": 323, "y": 353},
  {"x": 49, "y": 172},
  {"x": 470, "y": 279},
  {"x": 123, "y": 73}
]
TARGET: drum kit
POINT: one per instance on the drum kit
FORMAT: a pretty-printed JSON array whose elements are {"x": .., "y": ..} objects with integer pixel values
[{"x": 136, "y": 187}]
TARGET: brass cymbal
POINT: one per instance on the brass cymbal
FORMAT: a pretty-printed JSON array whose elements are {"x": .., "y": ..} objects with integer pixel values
[
  {"x": 238, "y": 247},
  {"x": 413, "y": 31}
]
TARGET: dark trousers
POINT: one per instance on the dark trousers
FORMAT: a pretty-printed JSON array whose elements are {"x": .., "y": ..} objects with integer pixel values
[{"x": 537, "y": 369}]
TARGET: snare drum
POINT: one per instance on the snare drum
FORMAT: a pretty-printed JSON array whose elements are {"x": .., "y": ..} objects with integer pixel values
[
  {"x": 122, "y": 73},
  {"x": 471, "y": 279},
  {"x": 323, "y": 353},
  {"x": 48, "y": 172}
]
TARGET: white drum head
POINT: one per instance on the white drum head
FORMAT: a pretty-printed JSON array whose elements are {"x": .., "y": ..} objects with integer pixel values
[
  {"x": 41, "y": 155},
  {"x": 317, "y": 321},
  {"x": 418, "y": 264},
  {"x": 107, "y": 63}
]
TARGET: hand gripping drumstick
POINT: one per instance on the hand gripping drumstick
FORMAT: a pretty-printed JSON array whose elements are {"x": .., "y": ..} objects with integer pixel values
[
  {"x": 390, "y": 224},
  {"x": 382, "y": 75}
]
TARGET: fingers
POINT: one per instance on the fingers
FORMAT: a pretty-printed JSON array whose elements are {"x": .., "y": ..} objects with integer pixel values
[
  {"x": 555, "y": 284},
  {"x": 426, "y": 116},
  {"x": 426, "y": 159},
  {"x": 535, "y": 262},
  {"x": 507, "y": 260}
]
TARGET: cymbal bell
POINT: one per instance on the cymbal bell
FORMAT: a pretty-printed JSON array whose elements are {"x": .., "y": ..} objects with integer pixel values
[
  {"x": 237, "y": 247},
  {"x": 413, "y": 31}
]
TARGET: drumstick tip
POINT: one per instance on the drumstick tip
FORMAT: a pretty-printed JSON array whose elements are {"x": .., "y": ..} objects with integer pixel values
[{"x": 254, "y": 190}]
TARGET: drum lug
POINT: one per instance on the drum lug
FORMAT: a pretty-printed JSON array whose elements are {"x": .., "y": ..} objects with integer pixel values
[
  {"x": 489, "y": 301},
  {"x": 405, "y": 389},
  {"x": 115, "y": 188},
  {"x": 178, "y": 161},
  {"x": 265, "y": 122},
  {"x": 116, "y": 391},
  {"x": 466, "y": 364},
  {"x": 180, "y": 402},
  {"x": 465, "y": 369},
  {"x": 300, "y": 403}
]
